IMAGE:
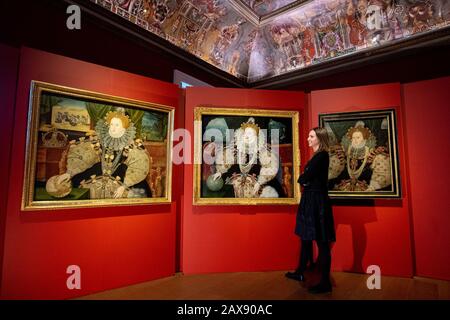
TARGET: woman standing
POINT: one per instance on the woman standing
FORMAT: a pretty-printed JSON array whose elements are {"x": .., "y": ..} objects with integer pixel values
[{"x": 315, "y": 217}]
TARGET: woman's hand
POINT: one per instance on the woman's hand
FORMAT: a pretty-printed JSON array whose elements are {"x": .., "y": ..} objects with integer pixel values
[
  {"x": 216, "y": 176},
  {"x": 63, "y": 178},
  {"x": 119, "y": 192},
  {"x": 256, "y": 188}
]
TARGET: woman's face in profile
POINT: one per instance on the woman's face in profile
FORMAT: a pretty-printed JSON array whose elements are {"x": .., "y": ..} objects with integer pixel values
[
  {"x": 313, "y": 141},
  {"x": 116, "y": 129}
]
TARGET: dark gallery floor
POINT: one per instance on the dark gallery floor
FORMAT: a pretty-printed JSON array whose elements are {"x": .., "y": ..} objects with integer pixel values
[{"x": 274, "y": 286}]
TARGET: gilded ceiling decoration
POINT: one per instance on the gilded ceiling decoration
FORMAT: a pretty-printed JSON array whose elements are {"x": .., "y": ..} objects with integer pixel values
[{"x": 309, "y": 33}]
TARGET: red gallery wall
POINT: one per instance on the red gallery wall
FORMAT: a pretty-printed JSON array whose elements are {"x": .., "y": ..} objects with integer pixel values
[
  {"x": 115, "y": 246},
  {"x": 237, "y": 238},
  {"x": 9, "y": 62},
  {"x": 119, "y": 246},
  {"x": 370, "y": 232},
  {"x": 427, "y": 118}
]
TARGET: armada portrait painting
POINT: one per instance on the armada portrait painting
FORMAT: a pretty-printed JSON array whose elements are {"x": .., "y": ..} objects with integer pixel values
[
  {"x": 88, "y": 149},
  {"x": 246, "y": 156},
  {"x": 363, "y": 154}
]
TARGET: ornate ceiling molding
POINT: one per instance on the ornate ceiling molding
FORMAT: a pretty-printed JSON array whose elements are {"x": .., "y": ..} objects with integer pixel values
[
  {"x": 268, "y": 18},
  {"x": 245, "y": 11},
  {"x": 261, "y": 20}
]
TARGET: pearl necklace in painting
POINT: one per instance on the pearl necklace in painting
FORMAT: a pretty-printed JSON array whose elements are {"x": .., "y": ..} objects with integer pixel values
[{"x": 353, "y": 155}]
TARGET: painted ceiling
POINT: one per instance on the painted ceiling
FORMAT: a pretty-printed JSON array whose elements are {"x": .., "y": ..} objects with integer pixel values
[
  {"x": 221, "y": 34},
  {"x": 264, "y": 7}
]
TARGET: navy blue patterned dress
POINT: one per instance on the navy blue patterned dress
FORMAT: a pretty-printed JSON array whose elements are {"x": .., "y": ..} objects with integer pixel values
[{"x": 314, "y": 216}]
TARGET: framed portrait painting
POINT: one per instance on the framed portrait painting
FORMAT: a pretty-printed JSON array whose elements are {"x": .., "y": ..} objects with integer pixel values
[
  {"x": 245, "y": 156},
  {"x": 363, "y": 154},
  {"x": 86, "y": 149}
]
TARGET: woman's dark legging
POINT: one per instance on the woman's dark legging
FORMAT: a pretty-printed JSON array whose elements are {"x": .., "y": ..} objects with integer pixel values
[
  {"x": 306, "y": 255},
  {"x": 324, "y": 258}
]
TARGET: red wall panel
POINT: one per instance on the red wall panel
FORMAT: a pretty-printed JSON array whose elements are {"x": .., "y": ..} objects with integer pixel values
[
  {"x": 369, "y": 232},
  {"x": 237, "y": 238},
  {"x": 427, "y": 119},
  {"x": 114, "y": 246},
  {"x": 9, "y": 63}
]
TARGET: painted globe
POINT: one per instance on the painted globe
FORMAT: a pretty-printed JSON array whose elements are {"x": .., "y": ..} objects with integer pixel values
[{"x": 214, "y": 185}]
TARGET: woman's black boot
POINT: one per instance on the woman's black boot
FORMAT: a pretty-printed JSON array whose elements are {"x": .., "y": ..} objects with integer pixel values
[
  {"x": 296, "y": 275},
  {"x": 322, "y": 287}
]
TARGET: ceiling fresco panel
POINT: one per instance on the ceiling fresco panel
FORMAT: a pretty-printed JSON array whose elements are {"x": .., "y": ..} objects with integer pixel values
[
  {"x": 209, "y": 29},
  {"x": 263, "y": 7},
  {"x": 315, "y": 32},
  {"x": 323, "y": 30}
]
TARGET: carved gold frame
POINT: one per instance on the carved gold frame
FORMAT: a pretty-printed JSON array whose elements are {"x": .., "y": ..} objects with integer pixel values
[
  {"x": 36, "y": 90},
  {"x": 389, "y": 114},
  {"x": 203, "y": 110}
]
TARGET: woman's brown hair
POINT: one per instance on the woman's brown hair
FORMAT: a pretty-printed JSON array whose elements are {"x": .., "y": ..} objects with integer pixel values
[{"x": 322, "y": 135}]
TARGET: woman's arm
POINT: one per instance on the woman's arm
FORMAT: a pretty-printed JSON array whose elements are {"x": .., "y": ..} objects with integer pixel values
[
  {"x": 224, "y": 159},
  {"x": 138, "y": 166},
  {"x": 313, "y": 169},
  {"x": 80, "y": 157}
]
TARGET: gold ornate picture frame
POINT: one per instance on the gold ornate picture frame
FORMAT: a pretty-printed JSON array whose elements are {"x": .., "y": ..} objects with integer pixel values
[
  {"x": 363, "y": 154},
  {"x": 246, "y": 156},
  {"x": 87, "y": 149}
]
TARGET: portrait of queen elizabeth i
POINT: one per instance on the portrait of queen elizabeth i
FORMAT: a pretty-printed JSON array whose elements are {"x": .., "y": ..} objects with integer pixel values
[
  {"x": 111, "y": 162},
  {"x": 363, "y": 154},
  {"x": 246, "y": 157},
  {"x": 93, "y": 149}
]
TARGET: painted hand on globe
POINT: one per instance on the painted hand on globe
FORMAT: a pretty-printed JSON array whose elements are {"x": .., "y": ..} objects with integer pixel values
[
  {"x": 216, "y": 176},
  {"x": 63, "y": 178}
]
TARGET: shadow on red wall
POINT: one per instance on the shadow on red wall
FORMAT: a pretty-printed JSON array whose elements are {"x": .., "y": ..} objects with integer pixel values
[{"x": 9, "y": 63}]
